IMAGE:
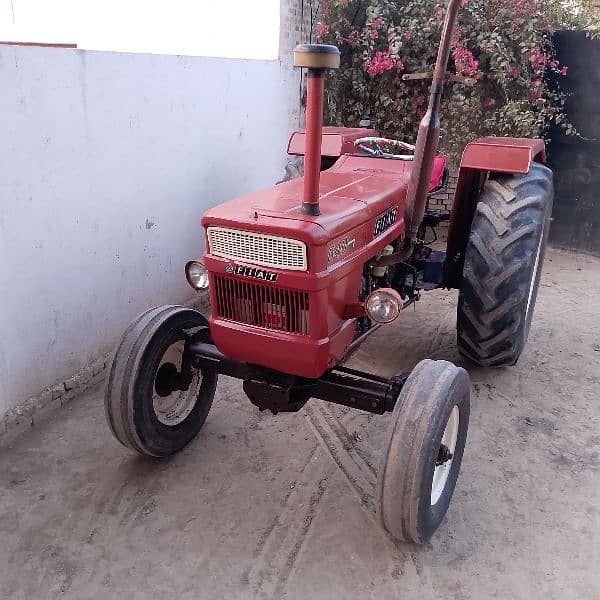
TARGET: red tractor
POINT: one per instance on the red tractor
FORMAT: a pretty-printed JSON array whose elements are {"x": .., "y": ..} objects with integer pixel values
[{"x": 300, "y": 274}]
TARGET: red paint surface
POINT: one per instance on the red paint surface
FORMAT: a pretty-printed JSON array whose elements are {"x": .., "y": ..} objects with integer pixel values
[
  {"x": 352, "y": 195},
  {"x": 437, "y": 173},
  {"x": 503, "y": 155},
  {"x": 335, "y": 140},
  {"x": 314, "y": 126}
]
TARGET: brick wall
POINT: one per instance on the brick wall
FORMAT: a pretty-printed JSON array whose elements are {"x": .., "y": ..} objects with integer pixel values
[
  {"x": 442, "y": 202},
  {"x": 295, "y": 25},
  {"x": 296, "y": 16}
]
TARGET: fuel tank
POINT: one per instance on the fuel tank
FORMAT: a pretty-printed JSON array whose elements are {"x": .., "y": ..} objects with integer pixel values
[{"x": 280, "y": 280}]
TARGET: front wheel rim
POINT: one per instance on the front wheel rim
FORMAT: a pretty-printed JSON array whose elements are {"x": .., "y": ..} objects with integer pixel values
[
  {"x": 445, "y": 457},
  {"x": 173, "y": 409}
]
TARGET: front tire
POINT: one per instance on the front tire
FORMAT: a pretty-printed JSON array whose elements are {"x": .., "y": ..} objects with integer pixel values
[
  {"x": 144, "y": 410},
  {"x": 503, "y": 265},
  {"x": 420, "y": 467}
]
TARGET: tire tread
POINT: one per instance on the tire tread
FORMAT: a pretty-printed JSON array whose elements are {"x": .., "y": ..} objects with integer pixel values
[
  {"x": 403, "y": 471},
  {"x": 125, "y": 371},
  {"x": 514, "y": 210}
]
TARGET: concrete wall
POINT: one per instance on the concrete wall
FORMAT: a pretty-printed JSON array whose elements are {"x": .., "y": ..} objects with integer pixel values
[{"x": 107, "y": 162}]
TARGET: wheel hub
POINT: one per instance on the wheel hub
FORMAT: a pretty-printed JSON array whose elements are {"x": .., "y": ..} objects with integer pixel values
[
  {"x": 167, "y": 380},
  {"x": 445, "y": 456}
]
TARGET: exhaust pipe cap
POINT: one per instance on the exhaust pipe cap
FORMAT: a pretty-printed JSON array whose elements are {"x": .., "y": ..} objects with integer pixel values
[{"x": 317, "y": 56}]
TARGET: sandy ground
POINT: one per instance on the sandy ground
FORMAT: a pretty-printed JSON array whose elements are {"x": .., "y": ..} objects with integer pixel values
[{"x": 282, "y": 507}]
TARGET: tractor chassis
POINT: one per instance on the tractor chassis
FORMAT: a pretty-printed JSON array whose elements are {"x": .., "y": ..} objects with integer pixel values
[{"x": 279, "y": 392}]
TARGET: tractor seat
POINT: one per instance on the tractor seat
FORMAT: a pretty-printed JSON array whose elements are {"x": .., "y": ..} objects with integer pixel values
[{"x": 439, "y": 175}]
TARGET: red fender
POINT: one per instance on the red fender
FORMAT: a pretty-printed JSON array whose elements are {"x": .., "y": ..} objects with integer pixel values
[{"x": 480, "y": 158}]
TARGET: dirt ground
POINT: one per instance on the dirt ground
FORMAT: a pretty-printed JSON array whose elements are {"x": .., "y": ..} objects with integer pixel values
[{"x": 282, "y": 507}]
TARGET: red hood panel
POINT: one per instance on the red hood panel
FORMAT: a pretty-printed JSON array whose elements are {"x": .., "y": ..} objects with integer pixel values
[
  {"x": 346, "y": 190},
  {"x": 353, "y": 184}
]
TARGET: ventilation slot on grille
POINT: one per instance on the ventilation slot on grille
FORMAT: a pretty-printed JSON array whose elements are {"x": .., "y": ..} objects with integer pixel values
[
  {"x": 261, "y": 305},
  {"x": 257, "y": 249}
]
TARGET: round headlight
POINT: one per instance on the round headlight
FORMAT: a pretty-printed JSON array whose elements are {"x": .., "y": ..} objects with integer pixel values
[
  {"x": 384, "y": 305},
  {"x": 196, "y": 275}
]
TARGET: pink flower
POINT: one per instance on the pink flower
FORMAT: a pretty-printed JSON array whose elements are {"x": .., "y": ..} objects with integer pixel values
[
  {"x": 488, "y": 102},
  {"x": 540, "y": 61},
  {"x": 382, "y": 61},
  {"x": 322, "y": 31},
  {"x": 514, "y": 72},
  {"x": 534, "y": 92},
  {"x": 465, "y": 62},
  {"x": 521, "y": 7},
  {"x": 564, "y": 71},
  {"x": 353, "y": 38}
]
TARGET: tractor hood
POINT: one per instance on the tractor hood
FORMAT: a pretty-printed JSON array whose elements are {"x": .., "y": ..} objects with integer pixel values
[{"x": 354, "y": 190}]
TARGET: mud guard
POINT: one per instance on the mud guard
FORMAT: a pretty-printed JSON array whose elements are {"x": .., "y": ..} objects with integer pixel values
[{"x": 480, "y": 158}]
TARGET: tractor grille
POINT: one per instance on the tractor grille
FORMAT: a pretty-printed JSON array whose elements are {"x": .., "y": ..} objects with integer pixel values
[
  {"x": 261, "y": 305},
  {"x": 257, "y": 248}
]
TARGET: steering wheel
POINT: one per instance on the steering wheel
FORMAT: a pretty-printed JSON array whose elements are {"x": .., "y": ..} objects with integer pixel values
[{"x": 384, "y": 148}]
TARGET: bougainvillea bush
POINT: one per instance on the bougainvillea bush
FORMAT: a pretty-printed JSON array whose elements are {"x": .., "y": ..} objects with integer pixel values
[{"x": 503, "y": 45}]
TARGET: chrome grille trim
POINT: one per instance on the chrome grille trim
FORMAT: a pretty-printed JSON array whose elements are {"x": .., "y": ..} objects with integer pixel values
[
  {"x": 257, "y": 248},
  {"x": 261, "y": 305}
]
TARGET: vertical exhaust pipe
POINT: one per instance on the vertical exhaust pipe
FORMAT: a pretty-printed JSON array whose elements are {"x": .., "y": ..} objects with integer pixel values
[
  {"x": 317, "y": 58},
  {"x": 429, "y": 132}
]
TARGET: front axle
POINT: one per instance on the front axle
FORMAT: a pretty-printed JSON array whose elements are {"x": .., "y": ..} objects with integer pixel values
[{"x": 279, "y": 392}]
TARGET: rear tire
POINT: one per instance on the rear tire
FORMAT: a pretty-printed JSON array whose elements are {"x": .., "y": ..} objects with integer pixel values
[
  {"x": 420, "y": 467},
  {"x": 143, "y": 411},
  {"x": 503, "y": 264}
]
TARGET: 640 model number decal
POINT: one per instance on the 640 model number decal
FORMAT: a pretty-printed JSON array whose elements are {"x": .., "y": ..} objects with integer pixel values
[
  {"x": 261, "y": 274},
  {"x": 384, "y": 222}
]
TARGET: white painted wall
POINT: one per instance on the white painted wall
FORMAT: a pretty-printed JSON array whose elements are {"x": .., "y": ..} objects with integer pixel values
[{"x": 107, "y": 162}]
